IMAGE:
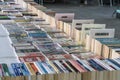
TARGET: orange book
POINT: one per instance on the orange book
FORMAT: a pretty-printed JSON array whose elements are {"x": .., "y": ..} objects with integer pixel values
[{"x": 34, "y": 68}]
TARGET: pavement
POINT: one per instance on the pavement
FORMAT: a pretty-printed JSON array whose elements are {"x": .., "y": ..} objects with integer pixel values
[{"x": 101, "y": 14}]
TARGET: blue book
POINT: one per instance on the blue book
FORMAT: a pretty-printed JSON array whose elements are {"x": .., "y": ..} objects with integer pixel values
[
  {"x": 42, "y": 71},
  {"x": 15, "y": 69},
  {"x": 51, "y": 68},
  {"x": 6, "y": 70},
  {"x": 24, "y": 69},
  {"x": 114, "y": 62},
  {"x": 42, "y": 67},
  {"x": 58, "y": 67},
  {"x": 83, "y": 65},
  {"x": 95, "y": 65},
  {"x": 11, "y": 70},
  {"x": 19, "y": 69}
]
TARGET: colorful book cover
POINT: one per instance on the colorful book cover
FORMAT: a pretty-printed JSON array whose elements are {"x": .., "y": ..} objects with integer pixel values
[
  {"x": 58, "y": 56},
  {"x": 34, "y": 68},
  {"x": 77, "y": 65},
  {"x": 6, "y": 70},
  {"x": 24, "y": 69}
]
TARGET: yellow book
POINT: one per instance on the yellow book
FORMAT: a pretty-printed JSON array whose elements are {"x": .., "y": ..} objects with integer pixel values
[
  {"x": 55, "y": 68},
  {"x": 30, "y": 69}
]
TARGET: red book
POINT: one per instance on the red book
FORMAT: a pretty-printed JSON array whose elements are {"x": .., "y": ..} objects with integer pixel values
[
  {"x": 1, "y": 70},
  {"x": 34, "y": 56},
  {"x": 58, "y": 56},
  {"x": 77, "y": 66},
  {"x": 34, "y": 68}
]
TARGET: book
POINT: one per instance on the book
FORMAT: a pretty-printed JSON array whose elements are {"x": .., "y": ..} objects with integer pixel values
[
  {"x": 24, "y": 69},
  {"x": 1, "y": 71},
  {"x": 48, "y": 68},
  {"x": 86, "y": 55},
  {"x": 58, "y": 56},
  {"x": 64, "y": 16},
  {"x": 5, "y": 70},
  {"x": 34, "y": 68},
  {"x": 96, "y": 65},
  {"x": 33, "y": 56},
  {"x": 29, "y": 67},
  {"x": 102, "y": 33},
  {"x": 77, "y": 66},
  {"x": 17, "y": 69}
]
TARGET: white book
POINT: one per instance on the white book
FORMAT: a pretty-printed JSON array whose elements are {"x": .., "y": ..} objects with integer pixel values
[
  {"x": 38, "y": 68},
  {"x": 61, "y": 66},
  {"x": 78, "y": 23},
  {"x": 41, "y": 70},
  {"x": 28, "y": 69},
  {"x": 111, "y": 64},
  {"x": 117, "y": 60},
  {"x": 68, "y": 66},
  {"x": 106, "y": 66},
  {"x": 46, "y": 67},
  {"x": 64, "y": 16},
  {"x": 87, "y": 66},
  {"x": 11, "y": 70},
  {"x": 102, "y": 33}
]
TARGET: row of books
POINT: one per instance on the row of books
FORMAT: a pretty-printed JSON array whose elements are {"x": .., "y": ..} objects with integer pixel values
[
  {"x": 106, "y": 47},
  {"x": 23, "y": 45},
  {"x": 93, "y": 69}
]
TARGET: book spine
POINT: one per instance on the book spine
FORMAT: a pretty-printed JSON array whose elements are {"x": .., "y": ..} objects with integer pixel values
[
  {"x": 112, "y": 65},
  {"x": 50, "y": 67},
  {"x": 64, "y": 62},
  {"x": 24, "y": 69},
  {"x": 37, "y": 66},
  {"x": 34, "y": 68},
  {"x": 76, "y": 65},
  {"x": 19, "y": 69},
  {"x": 95, "y": 65},
  {"x": 15, "y": 69},
  {"x": 62, "y": 67},
  {"x": 30, "y": 68},
  {"x": 11, "y": 70},
  {"x": 46, "y": 67},
  {"x": 6, "y": 70},
  {"x": 54, "y": 67},
  {"x": 1, "y": 71},
  {"x": 87, "y": 67},
  {"x": 60, "y": 70},
  {"x": 42, "y": 68},
  {"x": 107, "y": 67}
]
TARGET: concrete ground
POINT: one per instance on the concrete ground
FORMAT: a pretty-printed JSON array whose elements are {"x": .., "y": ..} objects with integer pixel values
[{"x": 99, "y": 13}]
